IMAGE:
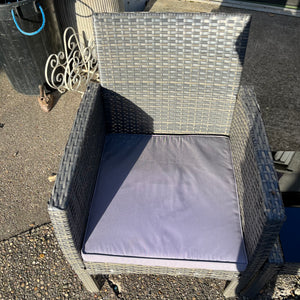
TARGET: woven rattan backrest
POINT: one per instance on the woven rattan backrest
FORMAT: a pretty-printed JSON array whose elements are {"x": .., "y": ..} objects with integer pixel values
[{"x": 170, "y": 73}]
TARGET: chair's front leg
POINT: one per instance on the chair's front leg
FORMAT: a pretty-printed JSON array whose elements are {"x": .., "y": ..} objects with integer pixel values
[
  {"x": 87, "y": 280},
  {"x": 230, "y": 290}
]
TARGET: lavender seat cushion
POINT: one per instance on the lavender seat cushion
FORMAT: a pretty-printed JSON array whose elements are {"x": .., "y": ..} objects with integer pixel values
[{"x": 166, "y": 200}]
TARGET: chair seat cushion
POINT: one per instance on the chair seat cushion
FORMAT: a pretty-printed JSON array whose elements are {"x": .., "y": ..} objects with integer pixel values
[{"x": 166, "y": 200}]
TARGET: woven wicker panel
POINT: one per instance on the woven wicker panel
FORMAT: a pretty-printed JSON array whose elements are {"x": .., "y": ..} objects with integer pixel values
[
  {"x": 182, "y": 70},
  {"x": 70, "y": 201},
  {"x": 276, "y": 255},
  {"x": 266, "y": 273},
  {"x": 78, "y": 14},
  {"x": 261, "y": 206},
  {"x": 260, "y": 201},
  {"x": 291, "y": 269},
  {"x": 74, "y": 186},
  {"x": 103, "y": 268},
  {"x": 247, "y": 177}
]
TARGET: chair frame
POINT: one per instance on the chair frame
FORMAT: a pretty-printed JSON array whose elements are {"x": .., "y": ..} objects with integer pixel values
[{"x": 262, "y": 211}]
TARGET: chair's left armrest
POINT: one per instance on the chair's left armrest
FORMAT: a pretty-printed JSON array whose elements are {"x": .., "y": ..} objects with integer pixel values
[
  {"x": 73, "y": 190},
  {"x": 262, "y": 210}
]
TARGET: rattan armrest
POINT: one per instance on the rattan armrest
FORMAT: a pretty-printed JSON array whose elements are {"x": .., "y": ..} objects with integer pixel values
[
  {"x": 74, "y": 186},
  {"x": 261, "y": 206}
]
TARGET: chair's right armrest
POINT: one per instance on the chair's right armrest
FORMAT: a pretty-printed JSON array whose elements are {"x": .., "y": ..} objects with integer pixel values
[
  {"x": 73, "y": 190},
  {"x": 262, "y": 210}
]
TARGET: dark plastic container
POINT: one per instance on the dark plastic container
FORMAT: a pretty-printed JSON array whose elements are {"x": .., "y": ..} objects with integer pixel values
[{"x": 22, "y": 56}]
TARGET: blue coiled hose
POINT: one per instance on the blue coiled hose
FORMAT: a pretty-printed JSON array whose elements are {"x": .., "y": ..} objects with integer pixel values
[{"x": 30, "y": 33}]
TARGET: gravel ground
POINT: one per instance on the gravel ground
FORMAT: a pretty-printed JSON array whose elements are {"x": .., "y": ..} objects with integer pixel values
[
  {"x": 286, "y": 287},
  {"x": 33, "y": 267}
]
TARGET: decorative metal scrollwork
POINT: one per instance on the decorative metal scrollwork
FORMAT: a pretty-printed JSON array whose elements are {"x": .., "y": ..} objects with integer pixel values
[{"x": 74, "y": 67}]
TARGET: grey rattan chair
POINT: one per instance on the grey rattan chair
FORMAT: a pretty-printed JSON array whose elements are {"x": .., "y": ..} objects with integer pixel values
[{"x": 167, "y": 74}]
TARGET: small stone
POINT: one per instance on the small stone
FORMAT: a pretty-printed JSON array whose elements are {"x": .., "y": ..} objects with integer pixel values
[
  {"x": 115, "y": 288},
  {"x": 52, "y": 178},
  {"x": 297, "y": 292}
]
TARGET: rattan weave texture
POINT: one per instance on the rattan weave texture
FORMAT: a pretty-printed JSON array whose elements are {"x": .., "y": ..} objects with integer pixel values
[
  {"x": 104, "y": 268},
  {"x": 261, "y": 206},
  {"x": 182, "y": 70},
  {"x": 267, "y": 272},
  {"x": 74, "y": 186},
  {"x": 179, "y": 74},
  {"x": 255, "y": 174}
]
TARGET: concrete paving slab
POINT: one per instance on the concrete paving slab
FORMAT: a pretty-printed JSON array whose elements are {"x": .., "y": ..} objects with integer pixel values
[
  {"x": 290, "y": 183},
  {"x": 32, "y": 144},
  {"x": 272, "y": 65}
]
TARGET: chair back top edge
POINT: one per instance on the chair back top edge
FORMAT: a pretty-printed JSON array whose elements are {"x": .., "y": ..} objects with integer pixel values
[{"x": 183, "y": 66}]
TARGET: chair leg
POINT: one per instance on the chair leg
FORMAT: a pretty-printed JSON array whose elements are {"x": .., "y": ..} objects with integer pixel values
[
  {"x": 87, "y": 280},
  {"x": 259, "y": 282},
  {"x": 230, "y": 291}
]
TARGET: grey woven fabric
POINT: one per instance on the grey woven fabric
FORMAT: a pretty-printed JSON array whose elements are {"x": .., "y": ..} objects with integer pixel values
[
  {"x": 183, "y": 70},
  {"x": 261, "y": 205}
]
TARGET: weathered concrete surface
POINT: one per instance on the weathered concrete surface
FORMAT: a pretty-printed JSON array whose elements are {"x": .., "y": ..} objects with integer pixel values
[
  {"x": 31, "y": 145},
  {"x": 272, "y": 65}
]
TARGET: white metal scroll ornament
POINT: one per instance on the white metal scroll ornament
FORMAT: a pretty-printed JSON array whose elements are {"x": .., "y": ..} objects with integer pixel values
[{"x": 74, "y": 67}]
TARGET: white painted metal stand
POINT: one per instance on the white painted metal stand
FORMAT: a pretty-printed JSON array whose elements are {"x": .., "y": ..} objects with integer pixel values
[{"x": 74, "y": 67}]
